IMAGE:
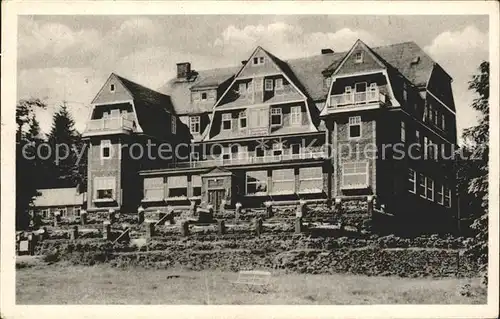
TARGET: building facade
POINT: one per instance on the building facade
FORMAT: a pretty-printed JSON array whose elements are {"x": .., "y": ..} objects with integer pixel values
[
  {"x": 68, "y": 202},
  {"x": 317, "y": 129}
]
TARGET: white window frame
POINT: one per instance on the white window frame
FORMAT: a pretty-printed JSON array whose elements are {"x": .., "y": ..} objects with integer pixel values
[
  {"x": 268, "y": 85},
  {"x": 106, "y": 144},
  {"x": 366, "y": 173},
  {"x": 348, "y": 90},
  {"x": 226, "y": 117},
  {"x": 440, "y": 195},
  {"x": 278, "y": 84},
  {"x": 242, "y": 88},
  {"x": 174, "y": 124},
  {"x": 422, "y": 184},
  {"x": 112, "y": 87},
  {"x": 443, "y": 122},
  {"x": 430, "y": 187},
  {"x": 412, "y": 178},
  {"x": 265, "y": 182},
  {"x": 304, "y": 179},
  {"x": 448, "y": 196},
  {"x": 275, "y": 111},
  {"x": 353, "y": 121},
  {"x": 195, "y": 121},
  {"x": 108, "y": 179},
  {"x": 242, "y": 115},
  {"x": 156, "y": 187},
  {"x": 296, "y": 115},
  {"x": 358, "y": 57},
  {"x": 258, "y": 60},
  {"x": 403, "y": 131},
  {"x": 201, "y": 96},
  {"x": 289, "y": 179},
  {"x": 278, "y": 147}
]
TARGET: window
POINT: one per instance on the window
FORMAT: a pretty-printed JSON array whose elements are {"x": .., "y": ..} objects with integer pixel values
[
  {"x": 436, "y": 117},
  {"x": 355, "y": 175},
  {"x": 243, "y": 119},
  {"x": 153, "y": 188},
  {"x": 256, "y": 183},
  {"x": 295, "y": 149},
  {"x": 443, "y": 122},
  {"x": 278, "y": 149},
  {"x": 348, "y": 90},
  {"x": 403, "y": 131},
  {"x": 358, "y": 57},
  {"x": 311, "y": 180},
  {"x": 63, "y": 211},
  {"x": 226, "y": 121},
  {"x": 430, "y": 114},
  {"x": 112, "y": 87},
  {"x": 204, "y": 96},
  {"x": 196, "y": 185},
  {"x": 104, "y": 187},
  {"x": 259, "y": 152},
  {"x": 174, "y": 124},
  {"x": 430, "y": 189},
  {"x": 405, "y": 91},
  {"x": 412, "y": 179},
  {"x": 194, "y": 124},
  {"x": 105, "y": 149},
  {"x": 242, "y": 89},
  {"x": 177, "y": 186},
  {"x": 422, "y": 185},
  {"x": 279, "y": 84},
  {"x": 283, "y": 181},
  {"x": 212, "y": 95},
  {"x": 276, "y": 117},
  {"x": 440, "y": 194},
  {"x": 447, "y": 197},
  {"x": 258, "y": 60},
  {"x": 295, "y": 115},
  {"x": 355, "y": 127},
  {"x": 45, "y": 213},
  {"x": 268, "y": 84}
]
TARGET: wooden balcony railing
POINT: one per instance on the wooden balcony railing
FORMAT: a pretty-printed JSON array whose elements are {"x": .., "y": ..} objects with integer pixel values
[
  {"x": 109, "y": 124},
  {"x": 356, "y": 98},
  {"x": 250, "y": 158}
]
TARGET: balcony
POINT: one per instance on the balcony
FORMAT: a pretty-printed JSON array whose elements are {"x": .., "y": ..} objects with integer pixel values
[
  {"x": 250, "y": 158},
  {"x": 109, "y": 126},
  {"x": 356, "y": 100}
]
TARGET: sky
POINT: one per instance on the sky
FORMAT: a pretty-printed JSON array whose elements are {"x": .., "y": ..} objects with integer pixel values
[{"x": 68, "y": 58}]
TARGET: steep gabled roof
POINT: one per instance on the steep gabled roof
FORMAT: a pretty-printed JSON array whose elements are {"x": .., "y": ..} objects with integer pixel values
[
  {"x": 152, "y": 108},
  {"x": 306, "y": 73}
]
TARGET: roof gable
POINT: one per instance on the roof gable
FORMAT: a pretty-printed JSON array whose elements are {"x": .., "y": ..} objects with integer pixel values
[
  {"x": 250, "y": 68},
  {"x": 58, "y": 197},
  {"x": 113, "y": 90},
  {"x": 351, "y": 64}
]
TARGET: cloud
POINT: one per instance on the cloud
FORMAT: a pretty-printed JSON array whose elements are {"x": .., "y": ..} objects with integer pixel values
[
  {"x": 460, "y": 53},
  {"x": 287, "y": 41}
]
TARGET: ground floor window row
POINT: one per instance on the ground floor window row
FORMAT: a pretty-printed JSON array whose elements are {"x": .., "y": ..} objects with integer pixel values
[
  {"x": 426, "y": 187},
  {"x": 63, "y": 211}
]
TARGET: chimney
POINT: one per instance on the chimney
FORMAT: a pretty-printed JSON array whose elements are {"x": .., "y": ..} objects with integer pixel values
[
  {"x": 244, "y": 62},
  {"x": 415, "y": 60},
  {"x": 183, "y": 70},
  {"x": 326, "y": 51}
]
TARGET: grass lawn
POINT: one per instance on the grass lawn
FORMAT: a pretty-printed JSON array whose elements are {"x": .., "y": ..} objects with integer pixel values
[{"x": 58, "y": 284}]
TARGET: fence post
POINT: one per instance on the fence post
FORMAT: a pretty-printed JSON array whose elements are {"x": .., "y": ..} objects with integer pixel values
[
  {"x": 192, "y": 208},
  {"x": 237, "y": 212},
  {"x": 369, "y": 200},
  {"x": 221, "y": 227},
  {"x": 298, "y": 225},
  {"x": 269, "y": 209},
  {"x": 150, "y": 230},
  {"x": 170, "y": 213},
  {"x": 83, "y": 217},
  {"x": 74, "y": 233},
  {"x": 107, "y": 230},
  {"x": 302, "y": 207},
  {"x": 140, "y": 215},
  {"x": 338, "y": 205},
  {"x": 258, "y": 226},
  {"x": 185, "y": 228},
  {"x": 112, "y": 216}
]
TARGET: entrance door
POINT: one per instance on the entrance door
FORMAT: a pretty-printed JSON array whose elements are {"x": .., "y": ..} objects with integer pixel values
[{"x": 215, "y": 198}]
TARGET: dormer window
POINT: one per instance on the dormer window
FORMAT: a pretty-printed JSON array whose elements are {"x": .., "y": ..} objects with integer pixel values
[
  {"x": 242, "y": 88},
  {"x": 268, "y": 84},
  {"x": 112, "y": 88},
  {"x": 194, "y": 124},
  {"x": 204, "y": 96},
  {"x": 359, "y": 57},
  {"x": 278, "y": 84},
  {"x": 226, "y": 121}
]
